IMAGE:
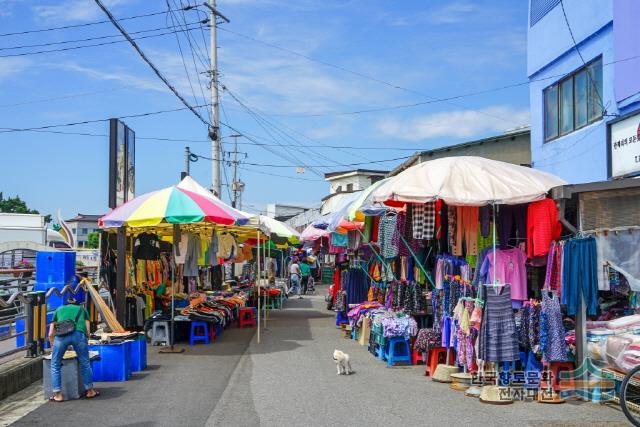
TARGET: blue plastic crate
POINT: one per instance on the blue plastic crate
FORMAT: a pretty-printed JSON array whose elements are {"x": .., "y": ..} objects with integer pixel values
[
  {"x": 138, "y": 350},
  {"x": 20, "y": 327},
  {"x": 114, "y": 363},
  {"x": 55, "y": 267}
]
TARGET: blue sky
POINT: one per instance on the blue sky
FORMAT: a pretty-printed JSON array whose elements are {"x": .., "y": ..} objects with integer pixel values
[{"x": 431, "y": 49}]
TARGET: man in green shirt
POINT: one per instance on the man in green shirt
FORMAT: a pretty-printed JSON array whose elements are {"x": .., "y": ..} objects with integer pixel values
[
  {"x": 78, "y": 340},
  {"x": 305, "y": 272}
]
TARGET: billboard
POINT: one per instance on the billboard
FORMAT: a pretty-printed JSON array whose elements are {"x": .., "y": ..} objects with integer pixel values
[
  {"x": 122, "y": 147},
  {"x": 624, "y": 146}
]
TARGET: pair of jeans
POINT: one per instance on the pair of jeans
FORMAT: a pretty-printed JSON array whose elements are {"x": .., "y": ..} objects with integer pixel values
[
  {"x": 295, "y": 284},
  {"x": 580, "y": 275},
  {"x": 78, "y": 341},
  {"x": 304, "y": 284}
]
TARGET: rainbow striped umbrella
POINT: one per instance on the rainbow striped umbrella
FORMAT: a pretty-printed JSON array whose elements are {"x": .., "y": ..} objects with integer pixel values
[{"x": 187, "y": 202}]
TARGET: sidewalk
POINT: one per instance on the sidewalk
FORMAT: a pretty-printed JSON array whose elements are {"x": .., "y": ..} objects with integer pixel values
[{"x": 289, "y": 379}]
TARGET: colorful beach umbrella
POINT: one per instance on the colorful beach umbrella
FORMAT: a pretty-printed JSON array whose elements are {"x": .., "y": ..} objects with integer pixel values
[
  {"x": 277, "y": 230},
  {"x": 185, "y": 203},
  {"x": 312, "y": 233}
]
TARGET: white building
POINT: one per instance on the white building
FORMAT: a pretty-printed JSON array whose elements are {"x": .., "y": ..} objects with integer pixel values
[{"x": 81, "y": 226}]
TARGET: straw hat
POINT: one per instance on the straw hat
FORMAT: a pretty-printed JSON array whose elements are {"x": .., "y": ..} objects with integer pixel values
[
  {"x": 461, "y": 381},
  {"x": 495, "y": 395},
  {"x": 443, "y": 373}
]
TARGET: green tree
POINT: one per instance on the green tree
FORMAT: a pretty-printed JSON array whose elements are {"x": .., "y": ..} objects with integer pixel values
[
  {"x": 56, "y": 227},
  {"x": 15, "y": 205},
  {"x": 93, "y": 240}
]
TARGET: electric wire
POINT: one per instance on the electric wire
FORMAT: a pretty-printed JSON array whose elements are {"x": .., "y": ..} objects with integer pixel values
[
  {"x": 148, "y": 61},
  {"x": 87, "y": 24},
  {"x": 315, "y": 166},
  {"x": 85, "y": 122},
  {"x": 276, "y": 128},
  {"x": 150, "y": 30},
  {"x": 280, "y": 176},
  {"x": 357, "y": 73},
  {"x": 67, "y": 49},
  {"x": 575, "y": 45},
  {"x": 184, "y": 63}
]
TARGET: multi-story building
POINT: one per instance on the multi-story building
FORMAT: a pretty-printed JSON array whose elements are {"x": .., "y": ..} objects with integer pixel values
[
  {"x": 583, "y": 64},
  {"x": 81, "y": 226}
]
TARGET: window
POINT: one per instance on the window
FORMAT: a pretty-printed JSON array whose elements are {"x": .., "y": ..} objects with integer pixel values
[
  {"x": 349, "y": 187},
  {"x": 573, "y": 102},
  {"x": 85, "y": 230}
]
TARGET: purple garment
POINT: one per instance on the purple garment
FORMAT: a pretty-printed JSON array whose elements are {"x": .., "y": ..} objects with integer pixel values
[
  {"x": 446, "y": 331},
  {"x": 512, "y": 225},
  {"x": 405, "y": 327},
  {"x": 485, "y": 220},
  {"x": 509, "y": 269}
]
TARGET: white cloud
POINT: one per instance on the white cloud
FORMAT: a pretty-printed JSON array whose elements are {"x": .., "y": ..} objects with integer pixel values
[
  {"x": 11, "y": 66},
  {"x": 113, "y": 75},
  {"x": 74, "y": 10},
  {"x": 6, "y": 7},
  {"x": 455, "y": 124},
  {"x": 452, "y": 13}
]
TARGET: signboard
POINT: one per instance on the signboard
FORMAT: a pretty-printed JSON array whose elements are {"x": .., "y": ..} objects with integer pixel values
[
  {"x": 624, "y": 146},
  {"x": 122, "y": 147}
]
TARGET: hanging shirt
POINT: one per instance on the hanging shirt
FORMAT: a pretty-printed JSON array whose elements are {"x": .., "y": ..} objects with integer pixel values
[
  {"x": 146, "y": 246},
  {"x": 226, "y": 245},
  {"x": 181, "y": 250},
  {"x": 213, "y": 249},
  {"x": 424, "y": 220},
  {"x": 543, "y": 227},
  {"x": 509, "y": 268}
]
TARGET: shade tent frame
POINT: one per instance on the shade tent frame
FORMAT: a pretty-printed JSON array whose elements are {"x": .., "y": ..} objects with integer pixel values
[{"x": 164, "y": 227}]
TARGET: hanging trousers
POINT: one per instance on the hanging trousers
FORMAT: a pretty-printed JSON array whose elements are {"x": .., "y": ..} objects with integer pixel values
[
  {"x": 467, "y": 230},
  {"x": 580, "y": 275}
]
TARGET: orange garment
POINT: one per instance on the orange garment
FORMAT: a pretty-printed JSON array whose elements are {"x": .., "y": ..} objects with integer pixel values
[{"x": 468, "y": 222}]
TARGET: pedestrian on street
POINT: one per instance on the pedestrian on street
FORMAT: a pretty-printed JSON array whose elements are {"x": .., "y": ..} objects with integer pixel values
[
  {"x": 305, "y": 272},
  {"x": 315, "y": 265},
  {"x": 75, "y": 337},
  {"x": 295, "y": 275}
]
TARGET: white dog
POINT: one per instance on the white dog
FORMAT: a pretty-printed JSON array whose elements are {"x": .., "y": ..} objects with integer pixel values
[{"x": 342, "y": 362}]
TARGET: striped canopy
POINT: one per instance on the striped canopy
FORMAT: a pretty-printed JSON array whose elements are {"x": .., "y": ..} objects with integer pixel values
[{"x": 185, "y": 203}]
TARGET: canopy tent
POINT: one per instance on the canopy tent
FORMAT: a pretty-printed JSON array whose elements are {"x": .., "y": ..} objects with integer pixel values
[
  {"x": 363, "y": 205},
  {"x": 467, "y": 181},
  {"x": 187, "y": 206},
  {"x": 185, "y": 203},
  {"x": 312, "y": 233},
  {"x": 276, "y": 230}
]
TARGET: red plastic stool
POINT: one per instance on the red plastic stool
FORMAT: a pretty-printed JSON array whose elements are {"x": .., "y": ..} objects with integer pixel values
[
  {"x": 417, "y": 357},
  {"x": 558, "y": 383},
  {"x": 436, "y": 356},
  {"x": 247, "y": 317}
]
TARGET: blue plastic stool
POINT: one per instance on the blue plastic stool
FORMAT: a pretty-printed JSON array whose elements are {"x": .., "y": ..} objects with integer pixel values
[
  {"x": 381, "y": 351},
  {"x": 195, "y": 336},
  {"x": 341, "y": 318},
  {"x": 398, "y": 350}
]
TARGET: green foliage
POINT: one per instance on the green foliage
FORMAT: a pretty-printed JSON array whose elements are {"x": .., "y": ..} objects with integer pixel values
[
  {"x": 56, "y": 226},
  {"x": 93, "y": 240},
  {"x": 15, "y": 205}
]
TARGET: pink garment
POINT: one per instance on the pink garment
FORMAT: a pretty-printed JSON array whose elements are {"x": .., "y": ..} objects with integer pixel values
[{"x": 509, "y": 269}]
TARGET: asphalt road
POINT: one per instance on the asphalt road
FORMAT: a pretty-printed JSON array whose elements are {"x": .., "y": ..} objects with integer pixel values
[{"x": 289, "y": 379}]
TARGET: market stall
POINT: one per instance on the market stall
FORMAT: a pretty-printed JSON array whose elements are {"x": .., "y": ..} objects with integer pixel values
[
  {"x": 184, "y": 243},
  {"x": 461, "y": 247}
]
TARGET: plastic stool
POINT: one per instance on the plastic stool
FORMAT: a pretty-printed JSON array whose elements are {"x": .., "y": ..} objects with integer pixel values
[
  {"x": 417, "y": 357},
  {"x": 160, "y": 333},
  {"x": 558, "y": 383},
  {"x": 436, "y": 356},
  {"x": 381, "y": 351},
  {"x": 398, "y": 351},
  {"x": 212, "y": 332},
  {"x": 247, "y": 317},
  {"x": 341, "y": 318},
  {"x": 199, "y": 332}
]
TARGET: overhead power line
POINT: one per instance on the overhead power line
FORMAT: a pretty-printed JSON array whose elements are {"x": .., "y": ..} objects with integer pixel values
[
  {"x": 86, "y": 24},
  {"x": 66, "y": 49},
  {"x": 111, "y": 36},
  {"x": 268, "y": 165},
  {"x": 86, "y": 122},
  {"x": 148, "y": 61}
]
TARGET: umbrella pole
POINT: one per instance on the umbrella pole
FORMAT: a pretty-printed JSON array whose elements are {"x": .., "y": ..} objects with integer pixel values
[
  {"x": 171, "y": 348},
  {"x": 258, "y": 278},
  {"x": 415, "y": 257}
]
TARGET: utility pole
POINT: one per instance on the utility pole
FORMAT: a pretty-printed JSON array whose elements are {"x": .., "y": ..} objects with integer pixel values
[
  {"x": 214, "y": 131},
  {"x": 236, "y": 185},
  {"x": 187, "y": 162}
]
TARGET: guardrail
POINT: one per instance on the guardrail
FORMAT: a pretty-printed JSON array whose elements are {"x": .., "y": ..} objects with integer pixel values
[{"x": 31, "y": 306}]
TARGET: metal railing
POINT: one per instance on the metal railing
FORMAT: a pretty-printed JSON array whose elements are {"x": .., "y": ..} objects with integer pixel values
[{"x": 19, "y": 302}]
